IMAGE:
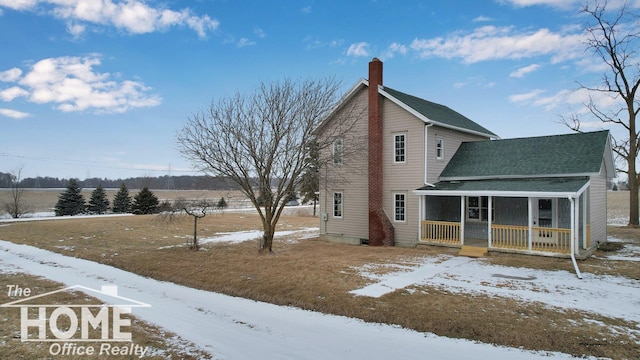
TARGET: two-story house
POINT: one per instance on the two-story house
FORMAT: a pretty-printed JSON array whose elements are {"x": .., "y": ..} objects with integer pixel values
[{"x": 424, "y": 174}]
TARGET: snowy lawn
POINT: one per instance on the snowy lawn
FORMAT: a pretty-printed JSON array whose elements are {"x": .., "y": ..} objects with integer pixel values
[{"x": 235, "y": 328}]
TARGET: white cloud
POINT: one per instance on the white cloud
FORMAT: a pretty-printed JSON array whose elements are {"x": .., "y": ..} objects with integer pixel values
[
  {"x": 497, "y": 43},
  {"x": 525, "y": 96},
  {"x": 18, "y": 4},
  {"x": 133, "y": 16},
  {"x": 10, "y": 75},
  {"x": 358, "y": 49},
  {"x": 524, "y": 70},
  {"x": 260, "y": 32},
  {"x": 306, "y": 9},
  {"x": 14, "y": 114},
  {"x": 395, "y": 48},
  {"x": 12, "y": 93},
  {"x": 71, "y": 84},
  {"x": 243, "y": 42},
  {"x": 482, "y": 18}
]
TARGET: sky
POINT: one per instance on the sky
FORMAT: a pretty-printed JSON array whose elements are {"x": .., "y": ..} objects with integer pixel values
[
  {"x": 235, "y": 328},
  {"x": 101, "y": 88}
]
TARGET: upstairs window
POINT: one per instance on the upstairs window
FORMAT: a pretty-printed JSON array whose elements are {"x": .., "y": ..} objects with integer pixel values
[
  {"x": 439, "y": 148},
  {"x": 399, "y": 145},
  {"x": 338, "y": 151}
]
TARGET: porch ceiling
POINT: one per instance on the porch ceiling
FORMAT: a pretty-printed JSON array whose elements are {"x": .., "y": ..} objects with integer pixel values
[{"x": 565, "y": 186}]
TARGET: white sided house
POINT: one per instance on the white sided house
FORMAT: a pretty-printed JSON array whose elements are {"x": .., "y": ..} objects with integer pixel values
[{"x": 423, "y": 174}]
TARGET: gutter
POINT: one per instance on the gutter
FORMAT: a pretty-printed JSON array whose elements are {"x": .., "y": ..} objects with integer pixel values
[{"x": 573, "y": 230}]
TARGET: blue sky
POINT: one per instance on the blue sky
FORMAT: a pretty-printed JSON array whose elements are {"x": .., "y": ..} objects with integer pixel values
[{"x": 94, "y": 88}]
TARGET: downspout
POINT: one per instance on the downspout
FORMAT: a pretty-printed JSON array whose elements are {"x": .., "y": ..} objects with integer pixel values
[{"x": 573, "y": 245}]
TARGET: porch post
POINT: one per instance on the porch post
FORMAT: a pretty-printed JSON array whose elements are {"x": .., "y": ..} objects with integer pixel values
[
  {"x": 490, "y": 220},
  {"x": 585, "y": 236},
  {"x": 462, "y": 212},
  {"x": 530, "y": 209},
  {"x": 421, "y": 200}
]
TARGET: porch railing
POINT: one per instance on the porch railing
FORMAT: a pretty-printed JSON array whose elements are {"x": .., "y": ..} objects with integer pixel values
[
  {"x": 443, "y": 232},
  {"x": 544, "y": 239},
  {"x": 510, "y": 236},
  {"x": 551, "y": 240}
]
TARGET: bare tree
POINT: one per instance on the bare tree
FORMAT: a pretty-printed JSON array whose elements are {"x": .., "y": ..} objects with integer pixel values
[
  {"x": 197, "y": 210},
  {"x": 16, "y": 206},
  {"x": 614, "y": 38},
  {"x": 259, "y": 140}
]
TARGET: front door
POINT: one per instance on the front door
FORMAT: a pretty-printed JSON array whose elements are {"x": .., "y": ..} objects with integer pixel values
[{"x": 544, "y": 216}]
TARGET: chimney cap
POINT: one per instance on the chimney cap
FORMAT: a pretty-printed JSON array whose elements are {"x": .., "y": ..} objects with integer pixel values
[{"x": 375, "y": 59}]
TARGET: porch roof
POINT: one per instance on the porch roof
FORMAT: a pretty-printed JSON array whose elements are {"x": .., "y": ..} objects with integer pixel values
[{"x": 549, "y": 187}]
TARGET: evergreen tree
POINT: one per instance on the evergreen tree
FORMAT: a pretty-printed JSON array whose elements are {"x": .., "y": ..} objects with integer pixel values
[
  {"x": 122, "y": 200},
  {"x": 222, "y": 204},
  {"x": 310, "y": 184},
  {"x": 71, "y": 201},
  {"x": 98, "y": 203},
  {"x": 145, "y": 202}
]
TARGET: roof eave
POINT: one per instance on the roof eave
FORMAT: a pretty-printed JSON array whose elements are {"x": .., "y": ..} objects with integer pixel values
[{"x": 540, "y": 194}]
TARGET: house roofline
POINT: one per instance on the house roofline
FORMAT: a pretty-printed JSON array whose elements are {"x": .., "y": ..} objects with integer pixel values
[
  {"x": 541, "y": 194},
  {"x": 511, "y": 177},
  {"x": 359, "y": 85},
  {"x": 430, "y": 121}
]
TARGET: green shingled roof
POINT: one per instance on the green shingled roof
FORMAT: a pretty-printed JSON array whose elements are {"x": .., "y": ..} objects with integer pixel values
[
  {"x": 558, "y": 155},
  {"x": 437, "y": 113},
  {"x": 539, "y": 185}
]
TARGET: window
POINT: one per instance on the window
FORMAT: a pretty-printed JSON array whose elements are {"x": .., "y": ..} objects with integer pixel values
[
  {"x": 478, "y": 208},
  {"x": 439, "y": 148},
  {"x": 399, "y": 145},
  {"x": 337, "y": 151},
  {"x": 400, "y": 207},
  {"x": 337, "y": 205}
]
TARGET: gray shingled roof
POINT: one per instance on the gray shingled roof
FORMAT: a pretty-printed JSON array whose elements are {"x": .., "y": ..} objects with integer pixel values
[
  {"x": 557, "y": 155},
  {"x": 438, "y": 113}
]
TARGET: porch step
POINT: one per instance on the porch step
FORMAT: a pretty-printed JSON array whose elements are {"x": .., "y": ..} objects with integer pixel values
[{"x": 473, "y": 251}]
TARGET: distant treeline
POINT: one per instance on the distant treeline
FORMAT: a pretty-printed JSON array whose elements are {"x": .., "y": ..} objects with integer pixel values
[{"x": 185, "y": 182}]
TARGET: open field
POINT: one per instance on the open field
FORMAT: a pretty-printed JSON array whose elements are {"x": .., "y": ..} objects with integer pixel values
[
  {"x": 315, "y": 275},
  {"x": 44, "y": 200}
]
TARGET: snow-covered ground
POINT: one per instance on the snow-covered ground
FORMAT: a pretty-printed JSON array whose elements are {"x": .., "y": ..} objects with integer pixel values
[{"x": 236, "y": 328}]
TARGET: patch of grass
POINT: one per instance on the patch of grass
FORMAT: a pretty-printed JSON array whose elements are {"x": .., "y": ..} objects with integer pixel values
[
  {"x": 317, "y": 275},
  {"x": 160, "y": 343}
]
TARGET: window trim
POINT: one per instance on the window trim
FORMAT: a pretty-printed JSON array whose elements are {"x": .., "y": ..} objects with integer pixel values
[
  {"x": 403, "y": 149},
  {"x": 439, "y": 148},
  {"x": 483, "y": 204},
  {"x": 404, "y": 207},
  {"x": 341, "y": 205}
]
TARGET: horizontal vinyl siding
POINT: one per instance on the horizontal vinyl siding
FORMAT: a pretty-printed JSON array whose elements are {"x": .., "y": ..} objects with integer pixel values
[
  {"x": 598, "y": 207},
  {"x": 403, "y": 177},
  {"x": 350, "y": 178},
  {"x": 452, "y": 140}
]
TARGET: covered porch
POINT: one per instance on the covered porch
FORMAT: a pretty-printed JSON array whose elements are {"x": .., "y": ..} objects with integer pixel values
[{"x": 547, "y": 216}]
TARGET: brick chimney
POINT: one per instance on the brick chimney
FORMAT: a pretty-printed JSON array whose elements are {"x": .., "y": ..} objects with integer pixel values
[{"x": 380, "y": 228}]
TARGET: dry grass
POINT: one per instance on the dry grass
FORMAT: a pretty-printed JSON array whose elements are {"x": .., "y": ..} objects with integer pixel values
[
  {"x": 161, "y": 344},
  {"x": 316, "y": 275}
]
